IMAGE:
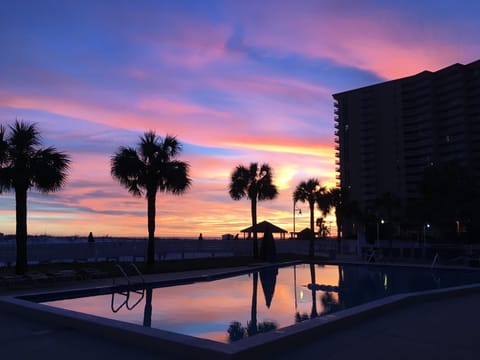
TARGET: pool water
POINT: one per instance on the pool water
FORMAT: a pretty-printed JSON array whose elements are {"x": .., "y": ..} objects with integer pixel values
[{"x": 230, "y": 309}]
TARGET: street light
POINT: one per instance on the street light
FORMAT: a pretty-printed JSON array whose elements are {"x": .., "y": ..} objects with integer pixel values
[
  {"x": 425, "y": 228},
  {"x": 378, "y": 231},
  {"x": 295, "y": 209}
]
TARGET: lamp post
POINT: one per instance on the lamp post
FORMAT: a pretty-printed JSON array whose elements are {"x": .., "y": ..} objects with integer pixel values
[
  {"x": 425, "y": 228},
  {"x": 295, "y": 209},
  {"x": 378, "y": 231}
]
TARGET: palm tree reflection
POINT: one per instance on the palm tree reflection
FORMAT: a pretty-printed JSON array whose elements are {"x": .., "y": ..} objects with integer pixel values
[
  {"x": 329, "y": 302},
  {"x": 147, "y": 314},
  {"x": 313, "y": 288},
  {"x": 252, "y": 325},
  {"x": 236, "y": 331}
]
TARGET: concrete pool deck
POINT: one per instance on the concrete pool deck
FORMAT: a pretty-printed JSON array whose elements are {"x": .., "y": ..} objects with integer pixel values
[{"x": 443, "y": 328}]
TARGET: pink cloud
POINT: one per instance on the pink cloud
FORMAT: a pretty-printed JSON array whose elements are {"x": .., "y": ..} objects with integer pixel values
[
  {"x": 392, "y": 46},
  {"x": 190, "y": 43}
]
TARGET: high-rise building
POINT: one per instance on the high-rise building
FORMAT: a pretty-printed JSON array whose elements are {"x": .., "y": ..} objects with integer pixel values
[{"x": 388, "y": 133}]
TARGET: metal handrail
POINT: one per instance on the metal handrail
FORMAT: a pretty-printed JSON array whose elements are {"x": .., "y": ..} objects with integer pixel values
[
  {"x": 126, "y": 293},
  {"x": 435, "y": 258},
  {"x": 125, "y": 302},
  {"x": 122, "y": 271},
  {"x": 139, "y": 273}
]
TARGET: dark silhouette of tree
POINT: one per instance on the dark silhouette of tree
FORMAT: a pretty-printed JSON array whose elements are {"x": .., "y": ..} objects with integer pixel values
[
  {"x": 3, "y": 146},
  {"x": 449, "y": 196},
  {"x": 333, "y": 198},
  {"x": 329, "y": 303},
  {"x": 323, "y": 230},
  {"x": 236, "y": 331},
  {"x": 308, "y": 191},
  {"x": 24, "y": 164},
  {"x": 148, "y": 169},
  {"x": 256, "y": 184}
]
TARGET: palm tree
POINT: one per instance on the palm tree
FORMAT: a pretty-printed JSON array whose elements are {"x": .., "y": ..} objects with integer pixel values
[
  {"x": 335, "y": 200},
  {"x": 255, "y": 184},
  {"x": 148, "y": 169},
  {"x": 323, "y": 230},
  {"x": 25, "y": 165},
  {"x": 308, "y": 191}
]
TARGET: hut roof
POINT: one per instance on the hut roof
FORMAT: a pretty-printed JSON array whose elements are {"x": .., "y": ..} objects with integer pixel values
[{"x": 261, "y": 228}]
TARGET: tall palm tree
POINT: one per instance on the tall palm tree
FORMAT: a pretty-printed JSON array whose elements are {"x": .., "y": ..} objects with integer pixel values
[
  {"x": 256, "y": 184},
  {"x": 148, "y": 169},
  {"x": 24, "y": 164},
  {"x": 308, "y": 191}
]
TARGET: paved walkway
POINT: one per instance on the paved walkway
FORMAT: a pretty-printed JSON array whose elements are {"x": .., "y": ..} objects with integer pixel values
[{"x": 442, "y": 329}]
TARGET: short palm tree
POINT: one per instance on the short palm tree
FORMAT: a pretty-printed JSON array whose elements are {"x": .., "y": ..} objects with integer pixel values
[
  {"x": 148, "y": 169},
  {"x": 256, "y": 184},
  {"x": 308, "y": 191},
  {"x": 25, "y": 165},
  {"x": 335, "y": 199}
]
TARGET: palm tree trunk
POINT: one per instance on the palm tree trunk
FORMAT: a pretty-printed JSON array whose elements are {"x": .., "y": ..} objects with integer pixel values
[
  {"x": 339, "y": 232},
  {"x": 21, "y": 229},
  {"x": 151, "y": 213},
  {"x": 254, "y": 222},
  {"x": 311, "y": 250}
]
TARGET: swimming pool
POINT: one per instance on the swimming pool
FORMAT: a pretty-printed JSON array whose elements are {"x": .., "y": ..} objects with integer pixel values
[
  {"x": 207, "y": 315},
  {"x": 270, "y": 299}
]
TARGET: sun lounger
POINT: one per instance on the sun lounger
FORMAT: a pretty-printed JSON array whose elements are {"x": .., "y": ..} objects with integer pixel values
[
  {"x": 92, "y": 273},
  {"x": 13, "y": 279},
  {"x": 64, "y": 275},
  {"x": 37, "y": 277}
]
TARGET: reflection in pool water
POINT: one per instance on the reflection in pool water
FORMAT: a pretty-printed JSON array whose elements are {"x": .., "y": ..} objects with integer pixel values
[{"x": 232, "y": 308}]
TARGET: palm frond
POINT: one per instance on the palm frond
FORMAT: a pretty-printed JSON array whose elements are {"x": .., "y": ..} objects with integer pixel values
[
  {"x": 23, "y": 137},
  {"x": 306, "y": 190},
  {"x": 129, "y": 170},
  {"x": 175, "y": 177},
  {"x": 171, "y": 146},
  {"x": 149, "y": 146},
  {"x": 265, "y": 188},
  {"x": 152, "y": 166},
  {"x": 239, "y": 182},
  {"x": 3, "y": 146},
  {"x": 49, "y": 169}
]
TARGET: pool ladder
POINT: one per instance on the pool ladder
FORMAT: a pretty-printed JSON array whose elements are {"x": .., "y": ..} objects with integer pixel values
[
  {"x": 125, "y": 275},
  {"x": 126, "y": 293}
]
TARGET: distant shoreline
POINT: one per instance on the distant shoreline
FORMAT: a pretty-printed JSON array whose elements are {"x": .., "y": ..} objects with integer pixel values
[{"x": 38, "y": 239}]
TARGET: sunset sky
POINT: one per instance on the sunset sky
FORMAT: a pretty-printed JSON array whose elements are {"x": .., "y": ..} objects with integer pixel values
[{"x": 236, "y": 81}]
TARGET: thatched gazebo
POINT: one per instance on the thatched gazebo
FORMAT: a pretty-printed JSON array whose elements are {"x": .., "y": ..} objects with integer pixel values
[{"x": 261, "y": 228}]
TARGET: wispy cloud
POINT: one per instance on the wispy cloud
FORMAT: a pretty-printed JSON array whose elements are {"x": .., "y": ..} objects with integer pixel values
[{"x": 236, "y": 81}]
